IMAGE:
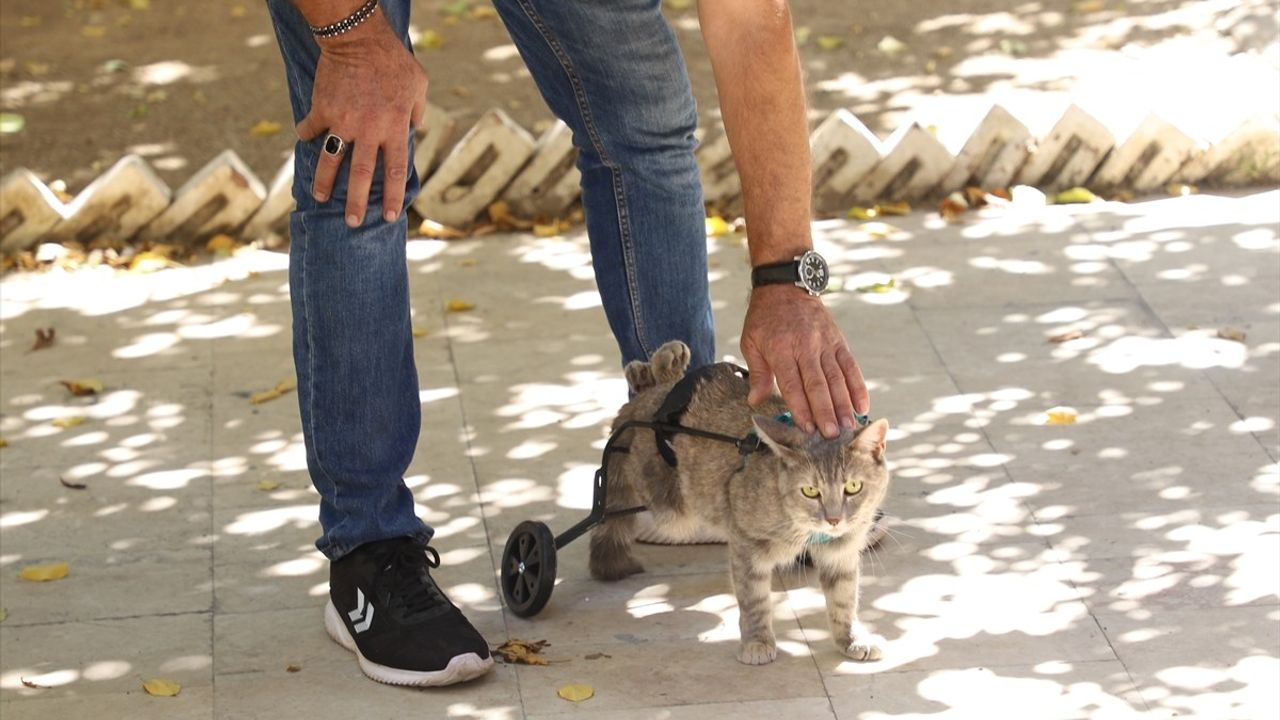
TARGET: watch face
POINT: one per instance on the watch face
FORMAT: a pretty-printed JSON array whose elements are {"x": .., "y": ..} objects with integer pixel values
[{"x": 813, "y": 272}]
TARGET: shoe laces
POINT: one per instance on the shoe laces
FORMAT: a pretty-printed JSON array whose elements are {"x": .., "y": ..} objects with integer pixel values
[{"x": 412, "y": 587}]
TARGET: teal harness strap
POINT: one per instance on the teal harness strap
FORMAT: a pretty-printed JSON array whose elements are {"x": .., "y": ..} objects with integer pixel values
[{"x": 820, "y": 538}]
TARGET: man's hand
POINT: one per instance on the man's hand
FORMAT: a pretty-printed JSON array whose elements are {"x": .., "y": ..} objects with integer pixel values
[
  {"x": 369, "y": 91},
  {"x": 790, "y": 335}
]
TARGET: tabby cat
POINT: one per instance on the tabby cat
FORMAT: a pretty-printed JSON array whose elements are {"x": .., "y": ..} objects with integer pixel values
[{"x": 806, "y": 493}]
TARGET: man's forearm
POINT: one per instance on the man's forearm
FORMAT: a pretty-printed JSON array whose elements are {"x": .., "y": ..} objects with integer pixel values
[{"x": 757, "y": 71}]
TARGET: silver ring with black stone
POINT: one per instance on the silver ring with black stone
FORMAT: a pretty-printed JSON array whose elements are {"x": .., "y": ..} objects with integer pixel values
[{"x": 334, "y": 145}]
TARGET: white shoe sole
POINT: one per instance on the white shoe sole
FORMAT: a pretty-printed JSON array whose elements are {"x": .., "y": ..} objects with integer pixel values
[{"x": 461, "y": 668}]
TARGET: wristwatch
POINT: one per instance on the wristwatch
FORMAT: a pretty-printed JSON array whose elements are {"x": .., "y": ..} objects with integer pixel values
[{"x": 808, "y": 271}]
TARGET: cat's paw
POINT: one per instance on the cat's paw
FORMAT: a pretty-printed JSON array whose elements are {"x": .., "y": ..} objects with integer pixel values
[
  {"x": 864, "y": 647},
  {"x": 670, "y": 361},
  {"x": 639, "y": 376},
  {"x": 757, "y": 653}
]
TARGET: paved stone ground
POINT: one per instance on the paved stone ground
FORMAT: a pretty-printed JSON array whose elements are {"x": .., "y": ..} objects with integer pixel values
[{"x": 1124, "y": 566}]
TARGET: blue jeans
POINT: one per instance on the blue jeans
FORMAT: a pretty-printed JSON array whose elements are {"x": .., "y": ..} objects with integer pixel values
[{"x": 613, "y": 72}]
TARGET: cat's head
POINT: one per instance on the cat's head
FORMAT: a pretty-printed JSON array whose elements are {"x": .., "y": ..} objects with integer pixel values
[{"x": 828, "y": 486}]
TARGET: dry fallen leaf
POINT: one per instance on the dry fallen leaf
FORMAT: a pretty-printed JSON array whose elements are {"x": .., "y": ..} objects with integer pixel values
[
  {"x": 220, "y": 244},
  {"x": 893, "y": 208},
  {"x": 890, "y": 45},
  {"x": 879, "y": 287},
  {"x": 1089, "y": 6},
  {"x": 1074, "y": 195},
  {"x": 4, "y": 443},
  {"x": 268, "y": 485},
  {"x": 802, "y": 35},
  {"x": 432, "y": 229},
  {"x": 716, "y": 226},
  {"x": 830, "y": 42},
  {"x": 878, "y": 230},
  {"x": 1060, "y": 416},
  {"x": 551, "y": 228},
  {"x": 149, "y": 261},
  {"x": 28, "y": 683},
  {"x": 69, "y": 421},
  {"x": 45, "y": 573},
  {"x": 160, "y": 687},
  {"x": 73, "y": 485},
  {"x": 429, "y": 40},
  {"x": 4, "y": 614},
  {"x": 574, "y": 692},
  {"x": 83, "y": 387},
  {"x": 44, "y": 338},
  {"x": 419, "y": 332},
  {"x": 953, "y": 207},
  {"x": 1231, "y": 333},
  {"x": 468, "y": 262},
  {"x": 1074, "y": 334},
  {"x": 500, "y": 214},
  {"x": 861, "y": 213},
  {"x": 1181, "y": 189},
  {"x": 597, "y": 656},
  {"x": 976, "y": 197},
  {"x": 264, "y": 128},
  {"x": 521, "y": 652},
  {"x": 292, "y": 668},
  {"x": 93, "y": 31},
  {"x": 482, "y": 12},
  {"x": 459, "y": 306},
  {"x": 281, "y": 388}
]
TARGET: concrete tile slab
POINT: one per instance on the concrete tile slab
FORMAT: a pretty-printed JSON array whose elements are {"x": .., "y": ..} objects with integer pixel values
[
  {"x": 1201, "y": 663},
  {"x": 815, "y": 708},
  {"x": 107, "y": 657},
  {"x": 192, "y": 703},
  {"x": 1095, "y": 690}
]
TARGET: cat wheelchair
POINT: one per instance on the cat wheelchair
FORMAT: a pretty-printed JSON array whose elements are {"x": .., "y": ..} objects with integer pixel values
[{"x": 528, "y": 573}]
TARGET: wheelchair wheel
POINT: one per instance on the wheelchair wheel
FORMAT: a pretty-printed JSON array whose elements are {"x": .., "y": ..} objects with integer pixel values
[{"x": 529, "y": 568}]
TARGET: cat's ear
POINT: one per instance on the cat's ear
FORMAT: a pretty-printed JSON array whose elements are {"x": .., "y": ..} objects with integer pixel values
[
  {"x": 783, "y": 439},
  {"x": 871, "y": 439}
]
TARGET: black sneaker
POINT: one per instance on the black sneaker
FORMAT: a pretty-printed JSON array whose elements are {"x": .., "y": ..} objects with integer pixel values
[{"x": 385, "y": 607}]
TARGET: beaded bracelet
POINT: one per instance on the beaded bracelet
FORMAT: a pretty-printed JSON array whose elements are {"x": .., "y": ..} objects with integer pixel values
[{"x": 347, "y": 23}]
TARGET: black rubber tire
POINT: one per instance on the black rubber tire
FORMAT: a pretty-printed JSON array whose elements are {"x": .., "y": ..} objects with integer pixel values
[{"x": 529, "y": 568}]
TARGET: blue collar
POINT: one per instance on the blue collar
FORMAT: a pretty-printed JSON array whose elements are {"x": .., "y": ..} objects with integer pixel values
[{"x": 820, "y": 538}]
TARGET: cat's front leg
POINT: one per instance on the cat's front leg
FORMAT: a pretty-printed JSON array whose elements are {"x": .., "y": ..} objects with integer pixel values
[
  {"x": 752, "y": 583},
  {"x": 839, "y": 573}
]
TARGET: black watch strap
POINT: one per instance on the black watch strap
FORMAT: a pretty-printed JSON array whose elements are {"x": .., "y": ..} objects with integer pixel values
[{"x": 780, "y": 273}]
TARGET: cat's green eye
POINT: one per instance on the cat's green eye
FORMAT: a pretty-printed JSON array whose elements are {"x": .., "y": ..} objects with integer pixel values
[
  {"x": 853, "y": 487},
  {"x": 810, "y": 491}
]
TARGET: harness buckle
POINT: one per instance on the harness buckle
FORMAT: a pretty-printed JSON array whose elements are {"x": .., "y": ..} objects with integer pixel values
[{"x": 749, "y": 444}]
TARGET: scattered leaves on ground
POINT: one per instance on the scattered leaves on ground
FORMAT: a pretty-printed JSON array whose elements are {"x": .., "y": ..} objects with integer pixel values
[
  {"x": 459, "y": 306},
  {"x": 860, "y": 213},
  {"x": 69, "y": 421},
  {"x": 1181, "y": 189},
  {"x": 1013, "y": 46},
  {"x": 1074, "y": 195},
  {"x": 159, "y": 687},
  {"x": 150, "y": 261},
  {"x": 551, "y": 228},
  {"x": 574, "y": 692},
  {"x": 439, "y": 231},
  {"x": 953, "y": 207},
  {"x": 3, "y": 443},
  {"x": 597, "y": 656},
  {"x": 1073, "y": 334},
  {"x": 1060, "y": 416},
  {"x": 893, "y": 208},
  {"x": 890, "y": 45},
  {"x": 521, "y": 652},
  {"x": 27, "y": 683},
  {"x": 716, "y": 226},
  {"x": 878, "y": 230},
  {"x": 11, "y": 123},
  {"x": 1232, "y": 333},
  {"x": 483, "y": 12},
  {"x": 879, "y": 287},
  {"x": 45, "y": 573},
  {"x": 830, "y": 42},
  {"x": 281, "y": 388},
  {"x": 1085, "y": 7},
  {"x": 419, "y": 331},
  {"x": 500, "y": 215},
  {"x": 468, "y": 262},
  {"x": 429, "y": 40},
  {"x": 292, "y": 668},
  {"x": 83, "y": 387},
  {"x": 220, "y": 244},
  {"x": 44, "y": 338},
  {"x": 73, "y": 485},
  {"x": 265, "y": 128},
  {"x": 268, "y": 485}
]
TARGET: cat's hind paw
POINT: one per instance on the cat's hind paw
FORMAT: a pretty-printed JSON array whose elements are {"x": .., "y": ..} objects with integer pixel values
[
  {"x": 864, "y": 647},
  {"x": 757, "y": 653}
]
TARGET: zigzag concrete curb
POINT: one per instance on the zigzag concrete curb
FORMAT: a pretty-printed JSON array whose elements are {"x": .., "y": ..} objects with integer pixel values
[{"x": 498, "y": 159}]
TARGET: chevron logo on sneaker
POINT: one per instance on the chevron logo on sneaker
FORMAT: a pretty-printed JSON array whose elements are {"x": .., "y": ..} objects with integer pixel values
[{"x": 360, "y": 620}]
